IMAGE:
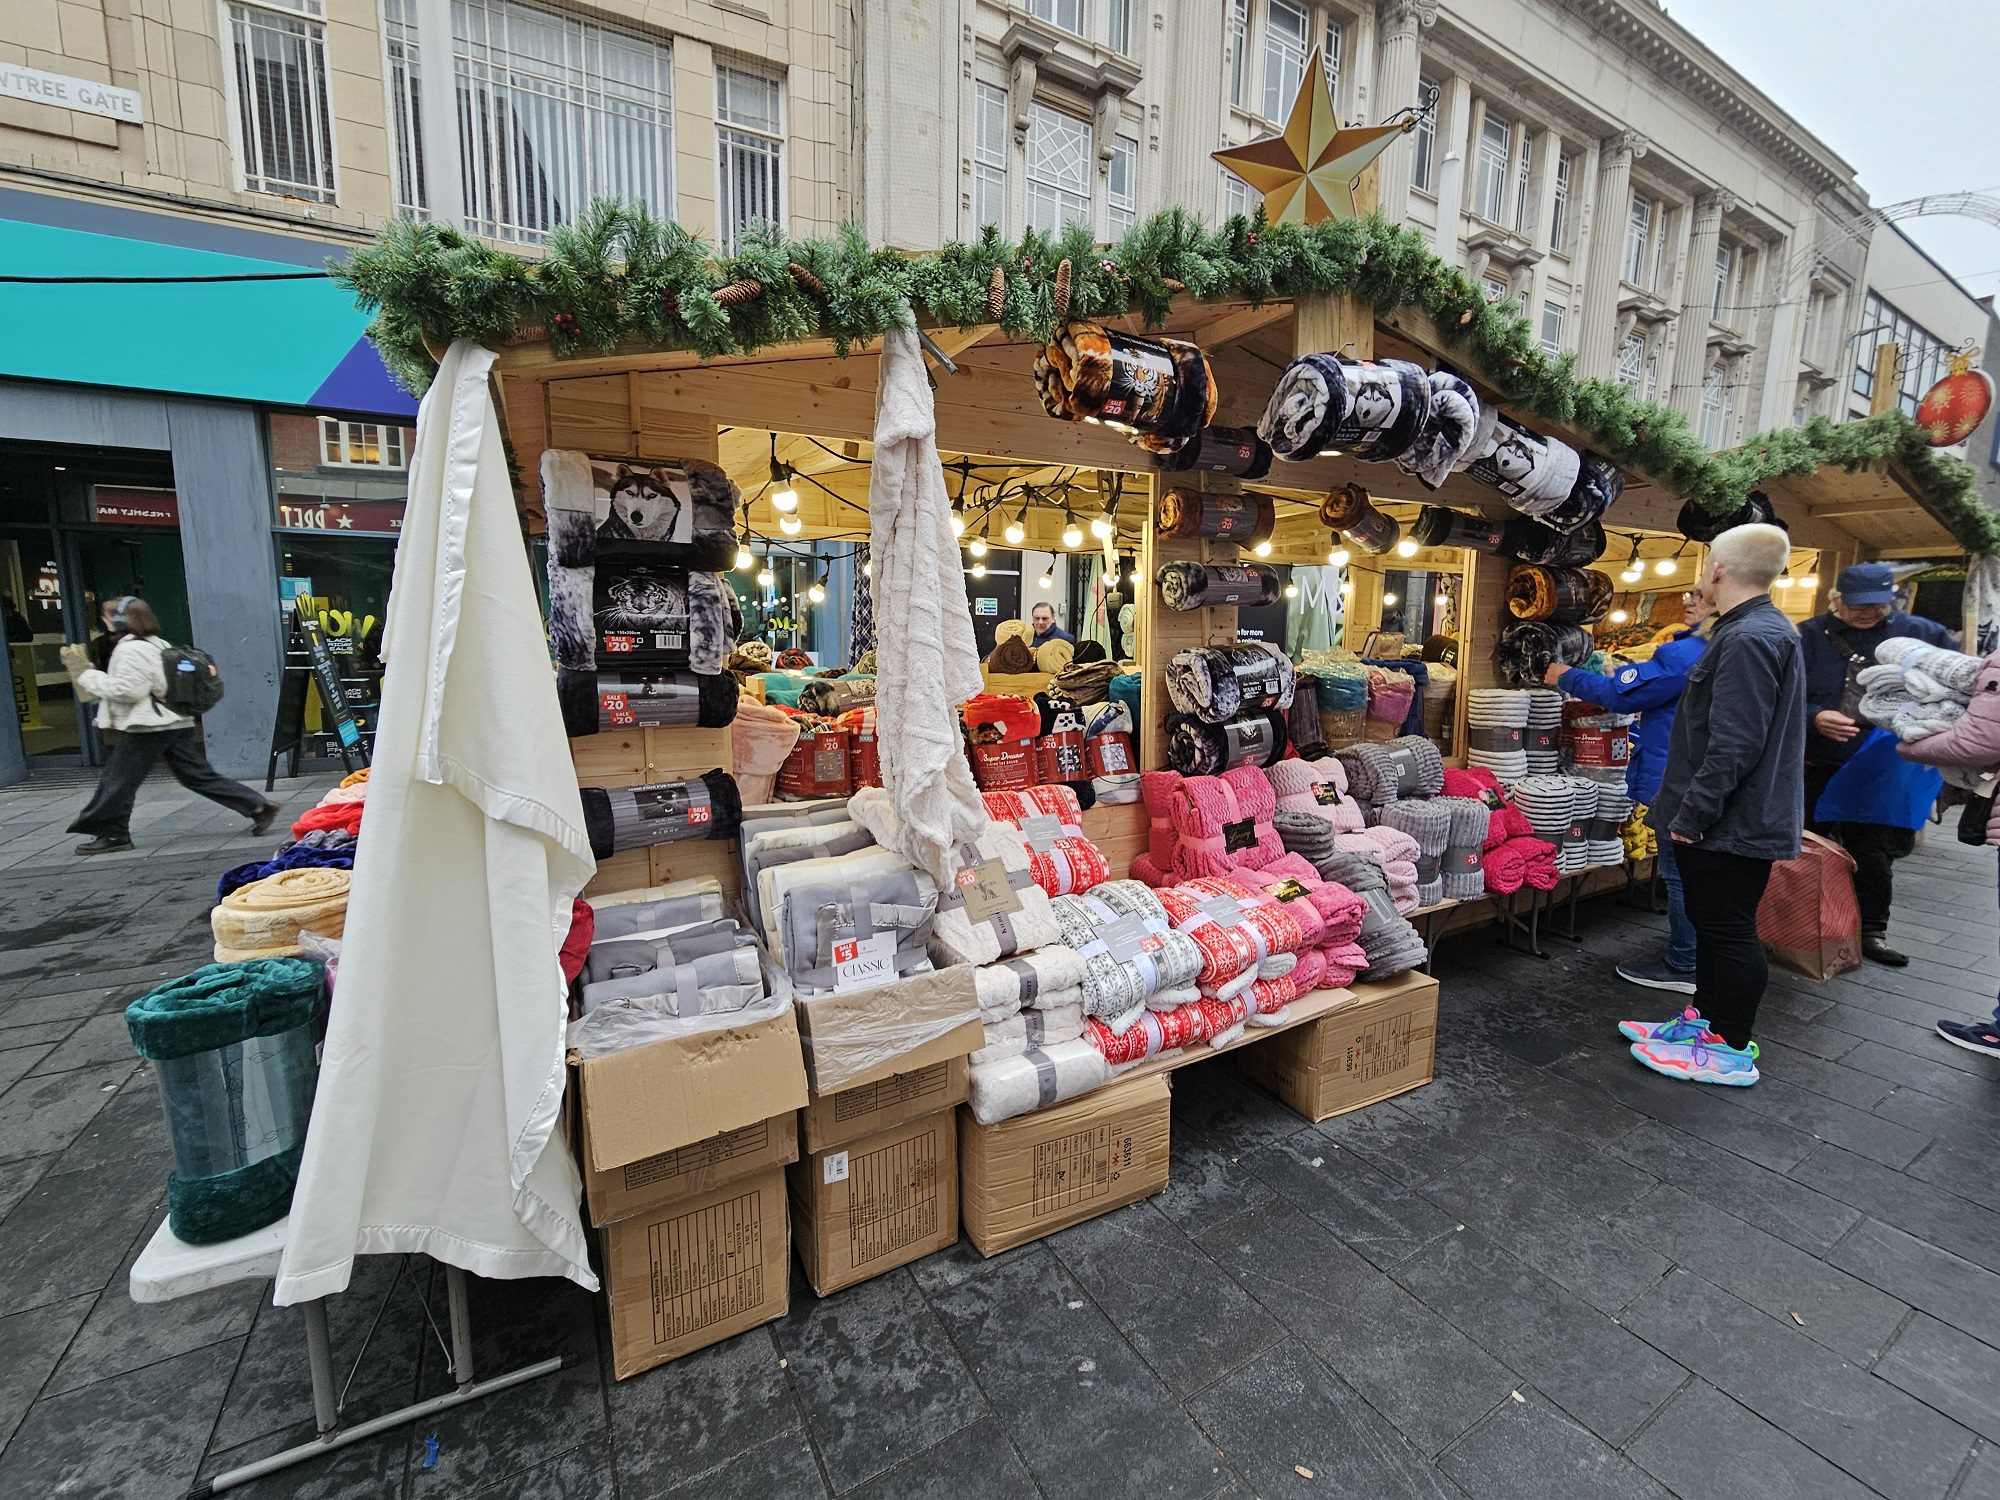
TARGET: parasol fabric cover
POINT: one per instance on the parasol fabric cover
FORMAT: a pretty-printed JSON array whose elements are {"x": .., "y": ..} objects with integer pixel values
[{"x": 434, "y": 1127}]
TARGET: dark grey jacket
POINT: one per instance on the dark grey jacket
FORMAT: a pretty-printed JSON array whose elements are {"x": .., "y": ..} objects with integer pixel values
[{"x": 1735, "y": 778}]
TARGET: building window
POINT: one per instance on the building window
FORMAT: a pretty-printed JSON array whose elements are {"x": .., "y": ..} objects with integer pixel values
[
  {"x": 1725, "y": 264},
  {"x": 281, "y": 98},
  {"x": 1639, "y": 242},
  {"x": 750, "y": 143},
  {"x": 1239, "y": 50},
  {"x": 1235, "y": 196},
  {"x": 1925, "y": 355},
  {"x": 1559, "y": 223},
  {"x": 1067, "y": 15},
  {"x": 553, "y": 112},
  {"x": 1423, "y": 144},
  {"x": 1330, "y": 56},
  {"x": 1632, "y": 361},
  {"x": 1058, "y": 169},
  {"x": 1815, "y": 321},
  {"x": 1285, "y": 32},
  {"x": 406, "y": 110},
  {"x": 1118, "y": 30},
  {"x": 361, "y": 445},
  {"x": 1524, "y": 203},
  {"x": 1489, "y": 188},
  {"x": 1552, "y": 328},
  {"x": 989, "y": 155},
  {"x": 1711, "y": 408},
  {"x": 1121, "y": 193},
  {"x": 1495, "y": 288}
]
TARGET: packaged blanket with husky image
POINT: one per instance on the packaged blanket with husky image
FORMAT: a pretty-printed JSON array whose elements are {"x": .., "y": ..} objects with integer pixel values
[{"x": 680, "y": 511}]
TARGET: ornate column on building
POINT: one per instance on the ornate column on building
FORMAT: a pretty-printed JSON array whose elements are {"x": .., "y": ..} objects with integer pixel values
[
  {"x": 1698, "y": 303},
  {"x": 1400, "y": 22},
  {"x": 1599, "y": 318}
]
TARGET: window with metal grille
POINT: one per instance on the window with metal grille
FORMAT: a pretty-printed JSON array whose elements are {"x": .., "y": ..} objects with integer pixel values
[
  {"x": 989, "y": 155},
  {"x": 554, "y": 111},
  {"x": 1559, "y": 226},
  {"x": 1121, "y": 192},
  {"x": 282, "y": 109},
  {"x": 1632, "y": 361},
  {"x": 750, "y": 143},
  {"x": 1711, "y": 408},
  {"x": 1423, "y": 142},
  {"x": 1067, "y": 14},
  {"x": 1285, "y": 32},
  {"x": 1330, "y": 56},
  {"x": 406, "y": 110},
  {"x": 1524, "y": 201},
  {"x": 1058, "y": 169},
  {"x": 1118, "y": 26},
  {"x": 1639, "y": 242},
  {"x": 1239, "y": 46},
  {"x": 1495, "y": 288},
  {"x": 361, "y": 445},
  {"x": 1552, "y": 328},
  {"x": 1489, "y": 185}
]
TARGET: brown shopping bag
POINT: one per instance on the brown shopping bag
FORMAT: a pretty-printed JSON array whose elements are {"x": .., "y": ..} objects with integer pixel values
[{"x": 1809, "y": 920}]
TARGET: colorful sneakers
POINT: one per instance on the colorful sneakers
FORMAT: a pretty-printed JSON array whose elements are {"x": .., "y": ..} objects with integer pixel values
[
  {"x": 1705, "y": 1059},
  {"x": 1685, "y": 1027},
  {"x": 1657, "y": 976},
  {"x": 1984, "y": 1038}
]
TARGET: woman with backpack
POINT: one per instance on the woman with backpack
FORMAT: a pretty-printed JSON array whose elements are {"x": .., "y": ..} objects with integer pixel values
[{"x": 132, "y": 703}]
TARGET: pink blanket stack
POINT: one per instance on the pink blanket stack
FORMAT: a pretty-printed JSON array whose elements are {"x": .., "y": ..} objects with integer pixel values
[
  {"x": 1243, "y": 933},
  {"x": 1398, "y": 853},
  {"x": 1206, "y": 825},
  {"x": 1519, "y": 862},
  {"x": 1317, "y": 787},
  {"x": 1508, "y": 821}
]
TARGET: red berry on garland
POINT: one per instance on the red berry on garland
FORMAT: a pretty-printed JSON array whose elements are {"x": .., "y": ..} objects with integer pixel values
[
  {"x": 1108, "y": 267},
  {"x": 1253, "y": 236}
]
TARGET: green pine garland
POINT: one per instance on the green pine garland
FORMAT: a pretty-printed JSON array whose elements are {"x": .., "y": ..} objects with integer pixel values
[{"x": 621, "y": 276}]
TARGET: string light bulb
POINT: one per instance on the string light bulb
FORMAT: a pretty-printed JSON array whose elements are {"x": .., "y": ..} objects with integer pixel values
[
  {"x": 977, "y": 546},
  {"x": 1016, "y": 530},
  {"x": 817, "y": 593},
  {"x": 1787, "y": 581},
  {"x": 1634, "y": 569},
  {"x": 1388, "y": 599},
  {"x": 1072, "y": 535},
  {"x": 1619, "y": 617},
  {"x": 1048, "y": 578},
  {"x": 791, "y": 525},
  {"x": 1263, "y": 548},
  {"x": 868, "y": 568},
  {"x": 979, "y": 570},
  {"x": 957, "y": 520},
  {"x": 1135, "y": 577},
  {"x": 743, "y": 558},
  {"x": 784, "y": 497},
  {"x": 1339, "y": 557},
  {"x": 1102, "y": 528},
  {"x": 765, "y": 577},
  {"x": 1291, "y": 591},
  {"x": 1665, "y": 566},
  {"x": 1407, "y": 547},
  {"x": 1810, "y": 581}
]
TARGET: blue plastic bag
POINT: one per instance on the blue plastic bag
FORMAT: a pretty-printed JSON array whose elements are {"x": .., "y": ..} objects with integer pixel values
[{"x": 1878, "y": 786}]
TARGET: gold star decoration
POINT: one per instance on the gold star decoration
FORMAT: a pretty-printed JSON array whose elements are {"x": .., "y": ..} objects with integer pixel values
[{"x": 1306, "y": 172}]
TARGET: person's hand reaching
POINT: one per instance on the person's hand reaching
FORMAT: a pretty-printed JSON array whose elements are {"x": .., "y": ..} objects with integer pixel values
[
  {"x": 1835, "y": 725},
  {"x": 1552, "y": 673}
]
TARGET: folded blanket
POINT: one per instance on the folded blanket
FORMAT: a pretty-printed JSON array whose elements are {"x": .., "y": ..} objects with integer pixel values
[
  {"x": 291, "y": 857},
  {"x": 1219, "y": 683},
  {"x": 1398, "y": 853},
  {"x": 1390, "y": 694},
  {"x": 1934, "y": 674},
  {"x": 1295, "y": 886},
  {"x": 1132, "y": 956},
  {"x": 768, "y": 845},
  {"x": 1213, "y": 824},
  {"x": 833, "y": 696},
  {"x": 1303, "y": 729},
  {"x": 660, "y": 910},
  {"x": 1198, "y": 749},
  {"x": 1429, "y": 823},
  {"x": 1504, "y": 819},
  {"x": 1317, "y": 788},
  {"x": 893, "y": 911},
  {"x": 1296, "y": 880},
  {"x": 1379, "y": 774},
  {"x": 1469, "y": 820},
  {"x": 1519, "y": 862},
  {"x": 1025, "y": 982},
  {"x": 994, "y": 716},
  {"x": 1242, "y": 932},
  {"x": 683, "y": 511},
  {"x": 264, "y": 918},
  {"x": 1450, "y": 427},
  {"x": 1571, "y": 596},
  {"x": 1035, "y": 1079},
  {"x": 661, "y": 812},
  {"x": 1052, "y": 810},
  {"x": 1245, "y": 519},
  {"x": 1306, "y": 834},
  {"x": 1199, "y": 1020},
  {"x": 652, "y": 973},
  {"x": 1387, "y": 940},
  {"x": 612, "y": 698},
  {"x": 608, "y": 958},
  {"x": 1031, "y": 1028},
  {"x": 1087, "y": 682},
  {"x": 1193, "y": 585},
  {"x": 345, "y": 816},
  {"x": 761, "y": 739}
]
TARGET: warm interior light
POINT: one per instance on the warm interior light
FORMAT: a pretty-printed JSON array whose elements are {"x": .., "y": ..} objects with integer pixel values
[
  {"x": 1072, "y": 535},
  {"x": 1407, "y": 547},
  {"x": 868, "y": 568},
  {"x": 1015, "y": 533},
  {"x": 1263, "y": 548},
  {"x": 791, "y": 525},
  {"x": 817, "y": 593},
  {"x": 1619, "y": 617},
  {"x": 977, "y": 546},
  {"x": 1632, "y": 575},
  {"x": 1665, "y": 567},
  {"x": 783, "y": 496},
  {"x": 1347, "y": 587},
  {"x": 1810, "y": 581},
  {"x": 1133, "y": 578},
  {"x": 1388, "y": 599},
  {"x": 1102, "y": 529},
  {"x": 1291, "y": 591},
  {"x": 1340, "y": 557},
  {"x": 957, "y": 522},
  {"x": 785, "y": 500},
  {"x": 1047, "y": 580},
  {"x": 979, "y": 570},
  {"x": 765, "y": 577},
  {"x": 1786, "y": 582},
  {"x": 743, "y": 558}
]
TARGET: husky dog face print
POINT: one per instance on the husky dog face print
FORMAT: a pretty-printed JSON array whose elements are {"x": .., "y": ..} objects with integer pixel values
[
  {"x": 1514, "y": 459},
  {"x": 645, "y": 503},
  {"x": 1295, "y": 417},
  {"x": 1374, "y": 403}
]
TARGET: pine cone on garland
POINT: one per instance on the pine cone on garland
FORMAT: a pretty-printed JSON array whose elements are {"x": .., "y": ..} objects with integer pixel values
[
  {"x": 996, "y": 293},
  {"x": 738, "y": 292},
  {"x": 1061, "y": 290},
  {"x": 807, "y": 280}
]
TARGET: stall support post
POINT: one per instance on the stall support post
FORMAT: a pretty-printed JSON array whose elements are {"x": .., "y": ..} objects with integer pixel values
[
  {"x": 1482, "y": 612},
  {"x": 1164, "y": 631}
]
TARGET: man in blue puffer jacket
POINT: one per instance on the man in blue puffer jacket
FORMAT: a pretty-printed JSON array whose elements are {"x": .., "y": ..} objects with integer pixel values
[{"x": 1652, "y": 690}]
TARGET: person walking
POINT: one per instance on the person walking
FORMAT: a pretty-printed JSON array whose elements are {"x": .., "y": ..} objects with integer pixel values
[
  {"x": 1732, "y": 802},
  {"x": 130, "y": 703},
  {"x": 1861, "y": 614},
  {"x": 1652, "y": 689}
]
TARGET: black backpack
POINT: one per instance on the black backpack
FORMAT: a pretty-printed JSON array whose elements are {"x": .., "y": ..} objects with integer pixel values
[{"x": 194, "y": 685}]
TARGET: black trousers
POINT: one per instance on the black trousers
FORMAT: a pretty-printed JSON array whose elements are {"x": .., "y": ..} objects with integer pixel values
[
  {"x": 1721, "y": 892},
  {"x": 133, "y": 756},
  {"x": 1875, "y": 847}
]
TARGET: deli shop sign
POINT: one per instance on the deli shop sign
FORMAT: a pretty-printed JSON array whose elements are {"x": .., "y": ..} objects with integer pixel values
[{"x": 331, "y": 515}]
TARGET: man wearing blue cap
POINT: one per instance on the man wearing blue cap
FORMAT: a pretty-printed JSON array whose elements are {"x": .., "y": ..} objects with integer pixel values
[{"x": 1862, "y": 614}]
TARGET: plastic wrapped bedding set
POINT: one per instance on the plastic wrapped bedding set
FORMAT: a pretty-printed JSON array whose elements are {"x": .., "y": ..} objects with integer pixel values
[
  {"x": 1240, "y": 518},
  {"x": 1527, "y": 647},
  {"x": 1219, "y": 683},
  {"x": 661, "y": 812},
  {"x": 233, "y": 1048},
  {"x": 628, "y": 699},
  {"x": 1198, "y": 749},
  {"x": 1193, "y": 585},
  {"x": 1159, "y": 390},
  {"x": 1351, "y": 512},
  {"x": 1371, "y": 409},
  {"x": 1567, "y": 596},
  {"x": 1445, "y": 440},
  {"x": 1133, "y": 959},
  {"x": 1035, "y": 1079},
  {"x": 1052, "y": 973},
  {"x": 1535, "y": 473},
  {"x": 1222, "y": 450}
]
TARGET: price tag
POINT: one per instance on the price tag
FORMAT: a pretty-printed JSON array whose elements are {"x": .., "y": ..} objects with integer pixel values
[
  {"x": 701, "y": 813},
  {"x": 1289, "y": 890},
  {"x": 987, "y": 891},
  {"x": 1041, "y": 830},
  {"x": 1128, "y": 937},
  {"x": 1325, "y": 793},
  {"x": 1241, "y": 834},
  {"x": 618, "y": 643},
  {"x": 1490, "y": 795},
  {"x": 834, "y": 1167},
  {"x": 860, "y": 963}
]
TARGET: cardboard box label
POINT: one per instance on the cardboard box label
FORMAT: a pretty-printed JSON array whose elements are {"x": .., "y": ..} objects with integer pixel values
[
  {"x": 1075, "y": 1168},
  {"x": 864, "y": 963},
  {"x": 893, "y": 1200},
  {"x": 708, "y": 1265},
  {"x": 713, "y": 1152},
  {"x": 1381, "y": 1049},
  {"x": 887, "y": 1093},
  {"x": 834, "y": 1168}
]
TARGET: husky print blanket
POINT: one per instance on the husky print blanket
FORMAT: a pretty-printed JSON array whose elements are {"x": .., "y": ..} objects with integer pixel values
[{"x": 681, "y": 511}]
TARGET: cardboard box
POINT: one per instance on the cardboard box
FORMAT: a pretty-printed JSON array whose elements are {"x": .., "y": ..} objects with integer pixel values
[
  {"x": 867, "y": 1035},
  {"x": 653, "y": 1181},
  {"x": 1382, "y": 1045},
  {"x": 869, "y": 1108},
  {"x": 696, "y": 1271},
  {"x": 1035, "y": 1174},
  {"x": 876, "y": 1203},
  {"x": 651, "y": 1101}
]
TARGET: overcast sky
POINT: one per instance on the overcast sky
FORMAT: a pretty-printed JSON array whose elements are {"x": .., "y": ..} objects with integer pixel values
[{"x": 1905, "y": 90}]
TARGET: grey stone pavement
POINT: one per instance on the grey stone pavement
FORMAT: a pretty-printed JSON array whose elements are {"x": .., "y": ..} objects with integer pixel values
[{"x": 1548, "y": 1274}]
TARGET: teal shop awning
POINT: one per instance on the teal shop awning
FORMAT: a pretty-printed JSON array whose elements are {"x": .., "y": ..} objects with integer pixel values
[{"x": 276, "y": 343}]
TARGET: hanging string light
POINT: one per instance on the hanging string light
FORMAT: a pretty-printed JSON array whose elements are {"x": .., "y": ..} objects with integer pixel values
[
  {"x": 1262, "y": 549},
  {"x": 1666, "y": 566},
  {"x": 977, "y": 546},
  {"x": 1633, "y": 570},
  {"x": 1016, "y": 530},
  {"x": 978, "y": 570},
  {"x": 1291, "y": 591},
  {"x": 1048, "y": 578},
  {"x": 784, "y": 496},
  {"x": 1072, "y": 535},
  {"x": 1407, "y": 547},
  {"x": 817, "y": 593},
  {"x": 791, "y": 525},
  {"x": 1339, "y": 557},
  {"x": 765, "y": 577},
  {"x": 743, "y": 559}
]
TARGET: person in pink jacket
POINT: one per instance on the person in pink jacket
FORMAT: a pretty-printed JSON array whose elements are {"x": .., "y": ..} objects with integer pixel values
[{"x": 1971, "y": 744}]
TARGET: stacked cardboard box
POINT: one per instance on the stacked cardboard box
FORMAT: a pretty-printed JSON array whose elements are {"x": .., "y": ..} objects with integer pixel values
[{"x": 1382, "y": 1045}]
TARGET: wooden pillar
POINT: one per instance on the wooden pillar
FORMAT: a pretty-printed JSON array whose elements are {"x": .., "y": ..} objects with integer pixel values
[
  {"x": 1164, "y": 631},
  {"x": 1482, "y": 611}
]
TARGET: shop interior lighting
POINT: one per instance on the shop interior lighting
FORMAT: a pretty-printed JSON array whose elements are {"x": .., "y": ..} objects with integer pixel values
[
  {"x": 868, "y": 568},
  {"x": 957, "y": 519},
  {"x": 1339, "y": 557},
  {"x": 1048, "y": 578},
  {"x": 1388, "y": 599},
  {"x": 791, "y": 525},
  {"x": 743, "y": 558},
  {"x": 1262, "y": 549},
  {"x": 765, "y": 577},
  {"x": 977, "y": 546},
  {"x": 1787, "y": 581},
  {"x": 979, "y": 570},
  {"x": 784, "y": 494},
  {"x": 817, "y": 593},
  {"x": 1072, "y": 535},
  {"x": 1133, "y": 578},
  {"x": 1667, "y": 566},
  {"x": 1619, "y": 617},
  {"x": 1103, "y": 528},
  {"x": 1291, "y": 591},
  {"x": 1016, "y": 530},
  {"x": 1810, "y": 581},
  {"x": 1407, "y": 547}
]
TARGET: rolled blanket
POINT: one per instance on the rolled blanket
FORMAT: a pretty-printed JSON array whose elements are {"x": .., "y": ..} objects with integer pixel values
[
  {"x": 1157, "y": 389},
  {"x": 291, "y": 857},
  {"x": 1389, "y": 943},
  {"x": 264, "y": 918},
  {"x": 1535, "y": 473},
  {"x": 1451, "y": 426},
  {"x": 1087, "y": 682},
  {"x": 683, "y": 511},
  {"x": 1606, "y": 842},
  {"x": 661, "y": 812},
  {"x": 1597, "y": 488},
  {"x": 1370, "y": 409},
  {"x": 1560, "y": 808},
  {"x": 1437, "y": 527},
  {"x": 1351, "y": 511},
  {"x": 1698, "y": 525},
  {"x": 832, "y": 696},
  {"x": 1131, "y": 954},
  {"x": 794, "y": 658},
  {"x": 1527, "y": 648},
  {"x": 1519, "y": 862},
  {"x": 1016, "y": 983},
  {"x": 345, "y": 816},
  {"x": 1220, "y": 683},
  {"x": 641, "y": 614},
  {"x": 1193, "y": 585},
  {"x": 760, "y": 741},
  {"x": 1465, "y": 842},
  {"x": 1316, "y": 788},
  {"x": 1224, "y": 517},
  {"x": 1306, "y": 405},
  {"x": 750, "y": 658},
  {"x": 1430, "y": 824},
  {"x": 611, "y": 698},
  {"x": 1222, "y": 450},
  {"x": 1035, "y": 1079},
  {"x": 1013, "y": 657},
  {"x": 1378, "y": 774},
  {"x": 1527, "y": 540},
  {"x": 1054, "y": 657},
  {"x": 1200, "y": 1020},
  {"x": 1497, "y": 731},
  {"x": 195, "y": 1031},
  {"x": 1198, "y": 749},
  {"x": 1570, "y": 596},
  {"x": 1544, "y": 739}
]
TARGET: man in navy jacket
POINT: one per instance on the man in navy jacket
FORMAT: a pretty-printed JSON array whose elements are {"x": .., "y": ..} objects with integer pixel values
[
  {"x": 1652, "y": 690},
  {"x": 1862, "y": 614}
]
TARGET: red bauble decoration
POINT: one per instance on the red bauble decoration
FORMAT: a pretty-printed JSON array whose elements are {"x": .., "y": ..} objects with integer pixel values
[{"x": 1953, "y": 408}]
